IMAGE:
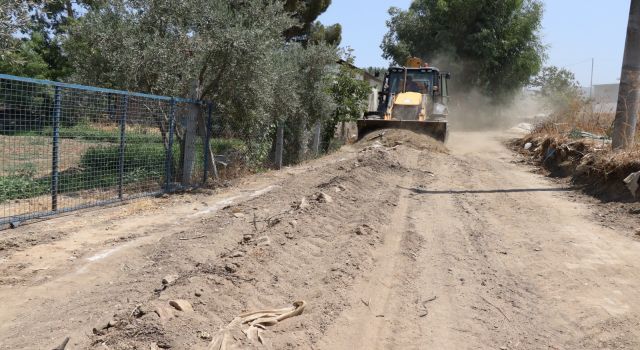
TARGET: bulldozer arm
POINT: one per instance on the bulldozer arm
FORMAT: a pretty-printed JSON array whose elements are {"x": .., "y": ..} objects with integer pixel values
[{"x": 435, "y": 129}]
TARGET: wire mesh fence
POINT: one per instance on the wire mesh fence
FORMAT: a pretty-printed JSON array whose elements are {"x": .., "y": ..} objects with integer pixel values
[{"x": 65, "y": 147}]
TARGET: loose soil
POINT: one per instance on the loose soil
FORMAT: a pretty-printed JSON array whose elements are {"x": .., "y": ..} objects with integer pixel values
[{"x": 394, "y": 243}]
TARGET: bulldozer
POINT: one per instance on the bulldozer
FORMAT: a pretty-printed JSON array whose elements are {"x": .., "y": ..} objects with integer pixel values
[{"x": 413, "y": 97}]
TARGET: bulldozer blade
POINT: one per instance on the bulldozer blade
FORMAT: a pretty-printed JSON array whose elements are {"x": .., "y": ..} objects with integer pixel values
[{"x": 435, "y": 129}]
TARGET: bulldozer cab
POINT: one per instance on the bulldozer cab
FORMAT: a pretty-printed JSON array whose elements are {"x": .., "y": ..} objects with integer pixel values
[
  {"x": 425, "y": 81},
  {"x": 413, "y": 81}
]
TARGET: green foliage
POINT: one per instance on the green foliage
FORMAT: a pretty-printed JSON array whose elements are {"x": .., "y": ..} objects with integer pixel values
[
  {"x": 149, "y": 158},
  {"x": 25, "y": 60},
  {"x": 99, "y": 168},
  {"x": 376, "y": 70},
  {"x": 306, "y": 12},
  {"x": 42, "y": 26},
  {"x": 350, "y": 93},
  {"x": 557, "y": 87},
  {"x": 14, "y": 14},
  {"x": 493, "y": 46},
  {"x": 314, "y": 77},
  {"x": 20, "y": 187},
  {"x": 260, "y": 61},
  {"x": 331, "y": 35},
  {"x": 228, "y": 146},
  {"x": 162, "y": 46}
]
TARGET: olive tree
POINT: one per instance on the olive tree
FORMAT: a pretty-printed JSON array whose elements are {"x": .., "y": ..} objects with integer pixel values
[
  {"x": 491, "y": 46},
  {"x": 164, "y": 47},
  {"x": 235, "y": 52},
  {"x": 557, "y": 87},
  {"x": 14, "y": 14}
]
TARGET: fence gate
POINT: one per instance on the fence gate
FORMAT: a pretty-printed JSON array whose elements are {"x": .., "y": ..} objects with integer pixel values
[{"x": 65, "y": 147}]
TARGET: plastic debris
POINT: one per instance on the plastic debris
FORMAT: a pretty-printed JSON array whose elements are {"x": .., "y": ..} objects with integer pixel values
[{"x": 632, "y": 182}]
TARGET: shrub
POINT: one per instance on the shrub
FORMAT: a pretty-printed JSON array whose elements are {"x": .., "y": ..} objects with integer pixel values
[
  {"x": 105, "y": 159},
  {"x": 18, "y": 187}
]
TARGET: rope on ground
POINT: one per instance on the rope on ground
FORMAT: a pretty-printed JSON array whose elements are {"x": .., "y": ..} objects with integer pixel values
[{"x": 257, "y": 322}]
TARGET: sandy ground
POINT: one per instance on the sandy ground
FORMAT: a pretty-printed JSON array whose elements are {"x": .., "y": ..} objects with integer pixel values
[{"x": 395, "y": 246}]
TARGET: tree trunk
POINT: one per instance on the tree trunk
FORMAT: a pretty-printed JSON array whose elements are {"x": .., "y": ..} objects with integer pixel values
[
  {"x": 190, "y": 129},
  {"x": 624, "y": 126}
]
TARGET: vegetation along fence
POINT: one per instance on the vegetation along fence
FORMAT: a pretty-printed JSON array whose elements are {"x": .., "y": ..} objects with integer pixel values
[{"x": 65, "y": 147}]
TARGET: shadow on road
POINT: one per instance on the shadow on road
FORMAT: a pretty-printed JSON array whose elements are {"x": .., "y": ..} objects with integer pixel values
[{"x": 508, "y": 190}]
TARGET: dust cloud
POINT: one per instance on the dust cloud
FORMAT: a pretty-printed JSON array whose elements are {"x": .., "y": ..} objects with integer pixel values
[
  {"x": 471, "y": 110},
  {"x": 474, "y": 111}
]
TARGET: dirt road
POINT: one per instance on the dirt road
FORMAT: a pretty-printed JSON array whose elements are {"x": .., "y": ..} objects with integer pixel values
[{"x": 395, "y": 246}]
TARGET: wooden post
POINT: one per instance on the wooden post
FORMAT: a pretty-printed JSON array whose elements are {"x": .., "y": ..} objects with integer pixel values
[
  {"x": 316, "y": 138},
  {"x": 209, "y": 158},
  {"x": 624, "y": 125},
  {"x": 279, "y": 144}
]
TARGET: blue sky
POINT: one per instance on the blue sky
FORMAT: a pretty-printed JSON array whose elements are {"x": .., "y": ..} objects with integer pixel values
[{"x": 574, "y": 30}]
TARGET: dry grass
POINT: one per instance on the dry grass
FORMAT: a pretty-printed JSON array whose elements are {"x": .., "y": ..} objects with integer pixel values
[
  {"x": 578, "y": 116},
  {"x": 559, "y": 146}
]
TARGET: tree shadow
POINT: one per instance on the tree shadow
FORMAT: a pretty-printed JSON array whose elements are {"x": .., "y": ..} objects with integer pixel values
[{"x": 506, "y": 190}]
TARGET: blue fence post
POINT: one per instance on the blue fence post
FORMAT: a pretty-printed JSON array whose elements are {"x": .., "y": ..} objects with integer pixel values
[
  {"x": 55, "y": 176},
  {"x": 207, "y": 144},
  {"x": 169, "y": 158},
  {"x": 123, "y": 123}
]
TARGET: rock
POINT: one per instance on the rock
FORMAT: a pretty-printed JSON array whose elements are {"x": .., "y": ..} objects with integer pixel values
[
  {"x": 363, "y": 230},
  {"x": 205, "y": 335},
  {"x": 247, "y": 237},
  {"x": 198, "y": 294},
  {"x": 528, "y": 145},
  {"x": 303, "y": 203},
  {"x": 169, "y": 279},
  {"x": 105, "y": 324},
  {"x": 164, "y": 313},
  {"x": 263, "y": 241},
  {"x": 164, "y": 345},
  {"x": 637, "y": 233},
  {"x": 293, "y": 223},
  {"x": 230, "y": 268},
  {"x": 324, "y": 198},
  {"x": 236, "y": 254},
  {"x": 181, "y": 305},
  {"x": 238, "y": 215}
]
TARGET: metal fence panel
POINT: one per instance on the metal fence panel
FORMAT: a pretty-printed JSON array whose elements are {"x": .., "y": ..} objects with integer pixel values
[{"x": 64, "y": 147}]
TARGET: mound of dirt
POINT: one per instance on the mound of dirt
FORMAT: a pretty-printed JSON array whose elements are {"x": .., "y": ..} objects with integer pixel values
[
  {"x": 309, "y": 240},
  {"x": 396, "y": 137},
  {"x": 589, "y": 164}
]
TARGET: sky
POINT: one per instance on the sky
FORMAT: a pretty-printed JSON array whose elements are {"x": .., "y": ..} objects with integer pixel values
[{"x": 575, "y": 31}]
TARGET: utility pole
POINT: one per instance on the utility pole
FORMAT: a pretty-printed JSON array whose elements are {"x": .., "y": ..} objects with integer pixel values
[
  {"x": 624, "y": 126},
  {"x": 591, "y": 102},
  {"x": 591, "y": 83}
]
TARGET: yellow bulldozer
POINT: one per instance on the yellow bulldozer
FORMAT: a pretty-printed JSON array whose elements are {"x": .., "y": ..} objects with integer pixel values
[{"x": 413, "y": 97}]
